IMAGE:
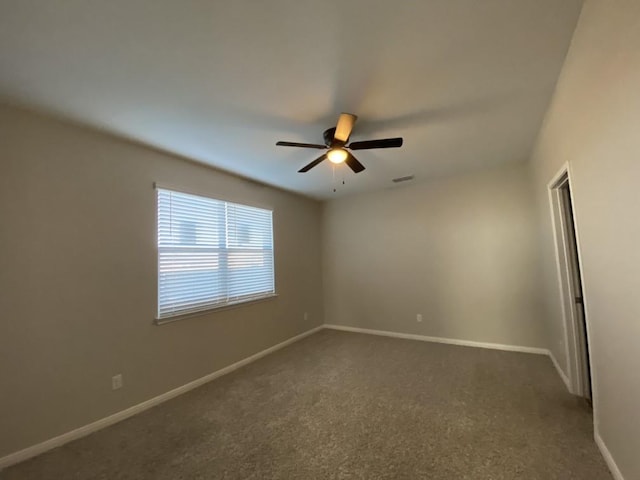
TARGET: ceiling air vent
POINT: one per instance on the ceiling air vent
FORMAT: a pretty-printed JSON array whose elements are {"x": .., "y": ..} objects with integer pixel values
[{"x": 403, "y": 179}]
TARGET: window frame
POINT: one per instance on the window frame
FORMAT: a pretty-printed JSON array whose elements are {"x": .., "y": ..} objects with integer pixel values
[{"x": 239, "y": 302}]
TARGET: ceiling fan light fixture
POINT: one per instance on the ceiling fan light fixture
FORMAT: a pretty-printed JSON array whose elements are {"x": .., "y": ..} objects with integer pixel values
[{"x": 337, "y": 155}]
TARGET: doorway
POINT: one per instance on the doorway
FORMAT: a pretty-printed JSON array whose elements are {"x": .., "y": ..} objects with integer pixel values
[{"x": 570, "y": 278}]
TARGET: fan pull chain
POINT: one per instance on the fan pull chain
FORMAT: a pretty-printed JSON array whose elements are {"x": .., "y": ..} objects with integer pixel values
[{"x": 333, "y": 169}]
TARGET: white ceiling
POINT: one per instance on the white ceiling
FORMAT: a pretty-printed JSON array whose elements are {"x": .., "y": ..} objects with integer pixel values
[{"x": 465, "y": 82}]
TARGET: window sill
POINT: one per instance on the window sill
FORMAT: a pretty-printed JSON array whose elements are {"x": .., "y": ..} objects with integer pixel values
[{"x": 208, "y": 311}]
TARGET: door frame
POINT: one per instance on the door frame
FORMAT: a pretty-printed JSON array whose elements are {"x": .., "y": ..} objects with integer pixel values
[{"x": 570, "y": 315}]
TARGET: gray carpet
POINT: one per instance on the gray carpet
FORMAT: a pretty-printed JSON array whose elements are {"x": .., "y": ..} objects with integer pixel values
[{"x": 351, "y": 406}]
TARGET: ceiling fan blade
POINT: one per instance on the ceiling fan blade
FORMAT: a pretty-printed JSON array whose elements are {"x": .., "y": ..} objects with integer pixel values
[
  {"x": 344, "y": 127},
  {"x": 353, "y": 163},
  {"x": 302, "y": 145},
  {"x": 382, "y": 143},
  {"x": 308, "y": 167}
]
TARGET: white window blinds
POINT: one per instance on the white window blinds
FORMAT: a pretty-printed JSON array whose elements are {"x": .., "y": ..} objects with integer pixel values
[{"x": 211, "y": 253}]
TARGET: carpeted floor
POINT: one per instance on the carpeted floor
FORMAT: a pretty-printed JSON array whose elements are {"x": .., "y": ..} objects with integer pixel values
[{"x": 351, "y": 406}]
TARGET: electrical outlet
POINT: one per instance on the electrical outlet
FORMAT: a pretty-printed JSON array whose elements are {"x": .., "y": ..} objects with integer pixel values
[
  {"x": 306, "y": 315},
  {"x": 419, "y": 317},
  {"x": 116, "y": 382}
]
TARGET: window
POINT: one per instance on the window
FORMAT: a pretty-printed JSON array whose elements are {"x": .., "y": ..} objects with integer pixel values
[{"x": 211, "y": 253}]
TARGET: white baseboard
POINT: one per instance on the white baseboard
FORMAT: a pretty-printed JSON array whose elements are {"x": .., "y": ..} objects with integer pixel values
[
  {"x": 615, "y": 471},
  {"x": 450, "y": 341},
  {"x": 465, "y": 343},
  {"x": 563, "y": 375},
  {"x": 85, "y": 430},
  {"x": 60, "y": 440}
]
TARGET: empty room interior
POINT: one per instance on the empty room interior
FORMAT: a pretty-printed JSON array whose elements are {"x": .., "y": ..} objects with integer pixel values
[{"x": 320, "y": 239}]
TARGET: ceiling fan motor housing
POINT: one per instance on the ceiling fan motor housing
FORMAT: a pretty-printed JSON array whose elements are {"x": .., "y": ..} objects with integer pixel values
[{"x": 328, "y": 136}]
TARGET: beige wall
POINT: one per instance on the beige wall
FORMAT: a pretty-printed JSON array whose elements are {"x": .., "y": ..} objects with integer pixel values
[
  {"x": 594, "y": 124},
  {"x": 78, "y": 278},
  {"x": 461, "y": 251}
]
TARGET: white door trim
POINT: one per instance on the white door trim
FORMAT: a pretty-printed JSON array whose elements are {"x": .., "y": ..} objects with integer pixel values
[
  {"x": 558, "y": 244},
  {"x": 569, "y": 314}
]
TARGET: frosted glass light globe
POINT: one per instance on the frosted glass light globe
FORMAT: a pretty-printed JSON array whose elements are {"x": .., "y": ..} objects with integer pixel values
[{"x": 337, "y": 155}]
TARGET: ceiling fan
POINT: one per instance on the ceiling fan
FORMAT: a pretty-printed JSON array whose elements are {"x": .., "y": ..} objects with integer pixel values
[{"x": 335, "y": 141}]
